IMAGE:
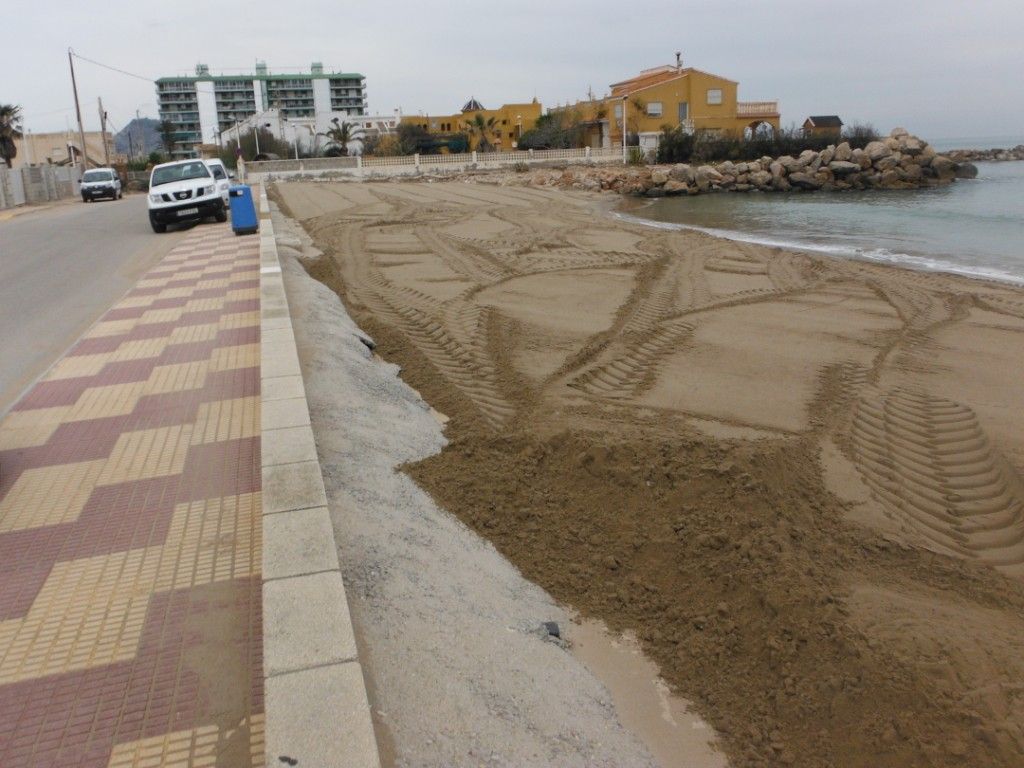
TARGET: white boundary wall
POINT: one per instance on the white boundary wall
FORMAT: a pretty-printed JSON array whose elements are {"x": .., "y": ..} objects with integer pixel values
[
  {"x": 413, "y": 165},
  {"x": 37, "y": 184}
]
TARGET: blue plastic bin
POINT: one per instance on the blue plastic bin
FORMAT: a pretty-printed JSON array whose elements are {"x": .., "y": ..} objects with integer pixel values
[{"x": 243, "y": 211}]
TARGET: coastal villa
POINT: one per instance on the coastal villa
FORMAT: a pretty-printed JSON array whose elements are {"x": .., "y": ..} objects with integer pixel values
[
  {"x": 829, "y": 126},
  {"x": 675, "y": 96},
  {"x": 510, "y": 122}
]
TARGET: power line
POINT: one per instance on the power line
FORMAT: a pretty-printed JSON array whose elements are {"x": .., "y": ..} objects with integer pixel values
[{"x": 113, "y": 69}]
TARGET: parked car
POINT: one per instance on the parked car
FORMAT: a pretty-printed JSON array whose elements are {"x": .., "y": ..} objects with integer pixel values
[
  {"x": 223, "y": 177},
  {"x": 184, "y": 190},
  {"x": 100, "y": 182}
]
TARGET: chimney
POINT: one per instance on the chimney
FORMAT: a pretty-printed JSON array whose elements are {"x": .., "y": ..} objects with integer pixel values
[{"x": 679, "y": 61}]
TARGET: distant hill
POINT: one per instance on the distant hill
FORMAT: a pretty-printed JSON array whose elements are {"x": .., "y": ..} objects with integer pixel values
[{"x": 143, "y": 129}]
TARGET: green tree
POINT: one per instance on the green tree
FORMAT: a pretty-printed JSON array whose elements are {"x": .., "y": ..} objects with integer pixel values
[
  {"x": 414, "y": 138},
  {"x": 482, "y": 129},
  {"x": 10, "y": 129},
  {"x": 339, "y": 137},
  {"x": 167, "y": 129}
]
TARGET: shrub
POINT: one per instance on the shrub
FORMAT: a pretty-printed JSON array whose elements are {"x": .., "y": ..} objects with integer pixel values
[
  {"x": 521, "y": 167},
  {"x": 675, "y": 146},
  {"x": 636, "y": 156}
]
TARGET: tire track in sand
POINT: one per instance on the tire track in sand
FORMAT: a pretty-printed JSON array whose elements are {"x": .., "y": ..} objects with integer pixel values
[{"x": 930, "y": 463}]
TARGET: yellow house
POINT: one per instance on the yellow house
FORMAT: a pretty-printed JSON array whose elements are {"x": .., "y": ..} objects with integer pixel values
[
  {"x": 674, "y": 96},
  {"x": 510, "y": 121},
  {"x": 827, "y": 126}
]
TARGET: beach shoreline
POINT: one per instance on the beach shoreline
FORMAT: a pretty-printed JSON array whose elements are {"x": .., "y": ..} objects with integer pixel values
[{"x": 797, "y": 479}]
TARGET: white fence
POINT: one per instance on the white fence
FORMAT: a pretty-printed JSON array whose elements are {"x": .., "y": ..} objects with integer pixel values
[
  {"x": 411, "y": 165},
  {"x": 37, "y": 184}
]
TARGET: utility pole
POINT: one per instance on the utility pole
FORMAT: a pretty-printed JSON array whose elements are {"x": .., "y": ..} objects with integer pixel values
[
  {"x": 103, "y": 132},
  {"x": 78, "y": 110}
]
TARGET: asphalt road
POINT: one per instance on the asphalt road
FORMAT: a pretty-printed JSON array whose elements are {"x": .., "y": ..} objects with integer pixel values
[{"x": 61, "y": 268}]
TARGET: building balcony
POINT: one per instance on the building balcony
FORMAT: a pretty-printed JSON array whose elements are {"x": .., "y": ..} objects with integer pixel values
[{"x": 757, "y": 109}]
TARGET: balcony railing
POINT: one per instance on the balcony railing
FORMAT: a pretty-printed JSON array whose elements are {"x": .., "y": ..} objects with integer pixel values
[{"x": 757, "y": 109}]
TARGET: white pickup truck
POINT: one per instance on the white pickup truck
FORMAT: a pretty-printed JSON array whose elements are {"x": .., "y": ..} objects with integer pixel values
[{"x": 184, "y": 190}]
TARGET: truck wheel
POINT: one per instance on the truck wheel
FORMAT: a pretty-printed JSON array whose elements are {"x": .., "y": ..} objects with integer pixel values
[
  {"x": 221, "y": 215},
  {"x": 157, "y": 226}
]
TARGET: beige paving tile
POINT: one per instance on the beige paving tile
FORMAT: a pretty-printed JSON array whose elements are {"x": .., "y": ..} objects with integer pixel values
[
  {"x": 110, "y": 400},
  {"x": 227, "y": 420},
  {"x": 147, "y": 453},
  {"x": 234, "y": 357},
  {"x": 49, "y": 495}
]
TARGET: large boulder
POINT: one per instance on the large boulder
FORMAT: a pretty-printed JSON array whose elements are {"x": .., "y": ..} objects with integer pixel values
[
  {"x": 804, "y": 180},
  {"x": 896, "y": 133},
  {"x": 911, "y": 173},
  {"x": 944, "y": 168},
  {"x": 790, "y": 163},
  {"x": 966, "y": 171},
  {"x": 760, "y": 178},
  {"x": 781, "y": 183},
  {"x": 659, "y": 176},
  {"x": 673, "y": 187},
  {"x": 827, "y": 155},
  {"x": 777, "y": 169},
  {"x": 681, "y": 172},
  {"x": 911, "y": 145},
  {"x": 843, "y": 152},
  {"x": 876, "y": 150},
  {"x": 708, "y": 174},
  {"x": 843, "y": 167},
  {"x": 926, "y": 156},
  {"x": 890, "y": 179},
  {"x": 886, "y": 163},
  {"x": 860, "y": 157}
]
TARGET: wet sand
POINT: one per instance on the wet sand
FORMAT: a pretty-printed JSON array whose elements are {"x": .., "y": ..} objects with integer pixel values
[{"x": 796, "y": 479}]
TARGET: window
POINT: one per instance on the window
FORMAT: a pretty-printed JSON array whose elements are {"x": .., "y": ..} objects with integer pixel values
[
  {"x": 684, "y": 111},
  {"x": 714, "y": 95},
  {"x": 618, "y": 111},
  {"x": 654, "y": 109}
]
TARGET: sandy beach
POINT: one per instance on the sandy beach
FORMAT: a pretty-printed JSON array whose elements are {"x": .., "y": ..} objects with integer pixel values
[{"x": 797, "y": 479}]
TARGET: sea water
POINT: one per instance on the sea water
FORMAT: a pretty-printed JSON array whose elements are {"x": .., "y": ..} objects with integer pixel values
[{"x": 971, "y": 227}]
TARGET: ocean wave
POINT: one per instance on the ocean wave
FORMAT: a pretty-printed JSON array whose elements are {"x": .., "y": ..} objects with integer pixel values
[{"x": 877, "y": 255}]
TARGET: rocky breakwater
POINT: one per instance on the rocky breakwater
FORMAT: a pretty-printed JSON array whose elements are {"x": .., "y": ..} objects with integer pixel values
[
  {"x": 901, "y": 161},
  {"x": 986, "y": 155}
]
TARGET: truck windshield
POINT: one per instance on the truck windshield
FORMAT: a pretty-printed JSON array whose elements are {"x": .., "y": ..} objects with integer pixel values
[
  {"x": 97, "y": 176},
  {"x": 196, "y": 170}
]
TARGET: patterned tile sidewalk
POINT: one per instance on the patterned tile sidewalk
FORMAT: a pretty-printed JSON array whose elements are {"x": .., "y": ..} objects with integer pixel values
[{"x": 130, "y": 609}]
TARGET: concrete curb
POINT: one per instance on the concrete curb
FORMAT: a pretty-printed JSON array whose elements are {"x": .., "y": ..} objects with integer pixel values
[{"x": 317, "y": 711}]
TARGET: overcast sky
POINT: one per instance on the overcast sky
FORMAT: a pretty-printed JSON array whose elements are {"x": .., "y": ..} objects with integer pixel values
[{"x": 942, "y": 68}]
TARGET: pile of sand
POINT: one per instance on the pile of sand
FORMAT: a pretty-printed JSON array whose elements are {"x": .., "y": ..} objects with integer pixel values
[{"x": 798, "y": 480}]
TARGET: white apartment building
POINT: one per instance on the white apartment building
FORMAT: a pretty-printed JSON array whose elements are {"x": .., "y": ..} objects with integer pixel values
[
  {"x": 310, "y": 132},
  {"x": 204, "y": 107}
]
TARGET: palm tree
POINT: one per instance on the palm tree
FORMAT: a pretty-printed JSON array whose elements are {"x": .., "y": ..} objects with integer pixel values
[
  {"x": 10, "y": 129},
  {"x": 339, "y": 137},
  {"x": 482, "y": 129}
]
